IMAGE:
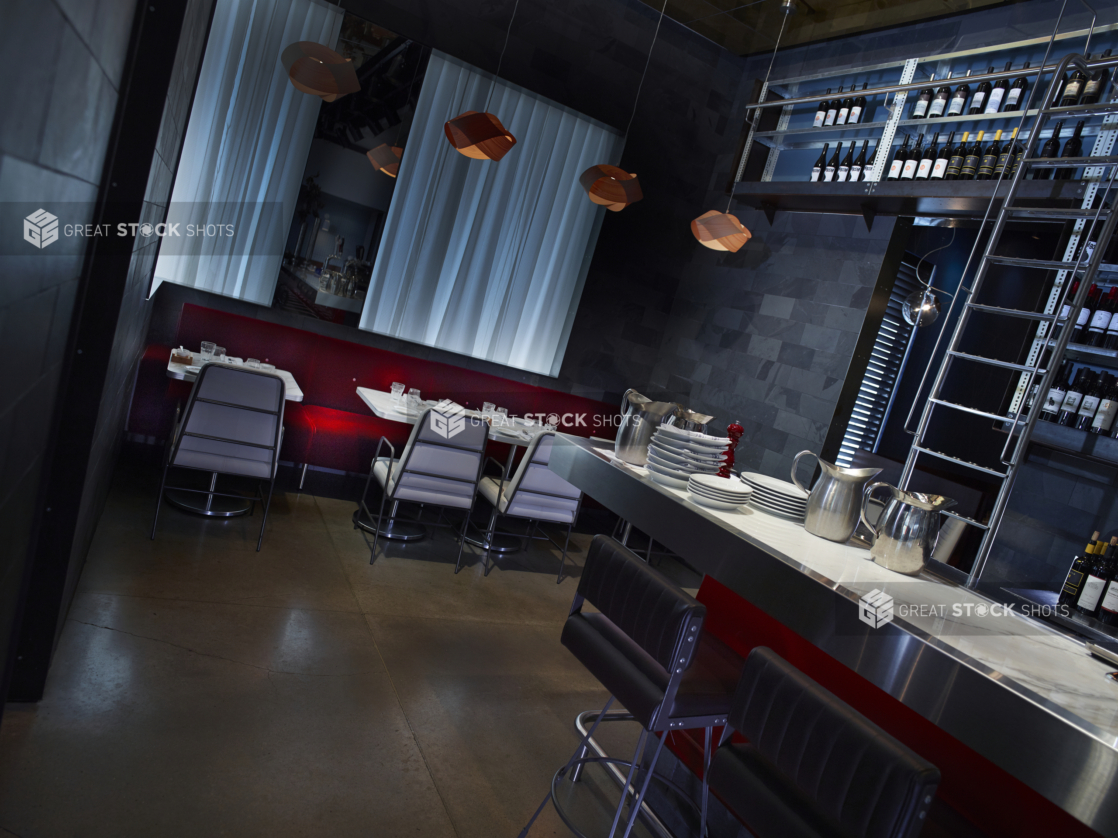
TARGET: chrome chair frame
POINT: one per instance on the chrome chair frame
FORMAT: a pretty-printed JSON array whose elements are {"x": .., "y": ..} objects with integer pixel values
[{"x": 177, "y": 434}]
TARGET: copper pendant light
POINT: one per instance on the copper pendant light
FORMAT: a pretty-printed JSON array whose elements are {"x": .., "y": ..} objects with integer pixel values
[
  {"x": 479, "y": 135},
  {"x": 318, "y": 70},
  {"x": 611, "y": 187},
  {"x": 720, "y": 231},
  {"x": 386, "y": 158}
]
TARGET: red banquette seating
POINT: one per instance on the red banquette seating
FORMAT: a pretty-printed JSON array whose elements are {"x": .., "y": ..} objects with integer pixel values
[{"x": 332, "y": 427}]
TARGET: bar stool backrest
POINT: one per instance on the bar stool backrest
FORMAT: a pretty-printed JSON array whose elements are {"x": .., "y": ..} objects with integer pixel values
[
  {"x": 650, "y": 633},
  {"x": 869, "y": 782},
  {"x": 233, "y": 422},
  {"x": 535, "y": 491},
  {"x": 442, "y": 459}
]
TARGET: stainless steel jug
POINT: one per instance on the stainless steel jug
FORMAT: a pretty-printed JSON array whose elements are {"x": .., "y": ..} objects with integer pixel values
[
  {"x": 639, "y": 420},
  {"x": 908, "y": 529},
  {"x": 835, "y": 502},
  {"x": 691, "y": 421}
]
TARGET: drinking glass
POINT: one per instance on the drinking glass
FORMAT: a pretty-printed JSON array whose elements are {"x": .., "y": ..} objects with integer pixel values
[
  {"x": 413, "y": 400},
  {"x": 267, "y": 366},
  {"x": 397, "y": 391},
  {"x": 501, "y": 416},
  {"x": 219, "y": 352},
  {"x": 253, "y": 363},
  {"x": 487, "y": 408},
  {"x": 208, "y": 350}
]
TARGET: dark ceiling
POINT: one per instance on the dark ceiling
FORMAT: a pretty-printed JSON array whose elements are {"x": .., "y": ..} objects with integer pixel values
[{"x": 750, "y": 26}]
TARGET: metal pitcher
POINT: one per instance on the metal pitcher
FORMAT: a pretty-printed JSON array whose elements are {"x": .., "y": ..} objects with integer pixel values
[
  {"x": 689, "y": 420},
  {"x": 908, "y": 529},
  {"x": 835, "y": 502},
  {"x": 640, "y": 417}
]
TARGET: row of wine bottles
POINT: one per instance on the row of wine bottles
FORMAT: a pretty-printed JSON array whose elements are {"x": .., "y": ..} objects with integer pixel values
[
  {"x": 1086, "y": 400},
  {"x": 1002, "y": 96},
  {"x": 964, "y": 161},
  {"x": 1097, "y": 324},
  {"x": 1091, "y": 585}
]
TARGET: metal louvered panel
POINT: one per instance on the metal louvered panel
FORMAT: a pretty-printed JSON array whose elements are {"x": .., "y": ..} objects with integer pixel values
[{"x": 884, "y": 368}]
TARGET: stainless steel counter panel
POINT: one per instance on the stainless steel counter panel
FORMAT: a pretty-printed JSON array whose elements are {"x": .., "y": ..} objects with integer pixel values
[{"x": 1063, "y": 757}]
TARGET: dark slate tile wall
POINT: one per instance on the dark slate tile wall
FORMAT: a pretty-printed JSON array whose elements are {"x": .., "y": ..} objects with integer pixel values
[{"x": 67, "y": 58}]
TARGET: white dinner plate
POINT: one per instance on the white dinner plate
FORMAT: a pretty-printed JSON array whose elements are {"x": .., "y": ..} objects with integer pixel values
[
  {"x": 776, "y": 504},
  {"x": 668, "y": 471},
  {"x": 725, "y": 506},
  {"x": 685, "y": 468},
  {"x": 667, "y": 454},
  {"x": 665, "y": 480},
  {"x": 723, "y": 485},
  {"x": 779, "y": 487},
  {"x": 771, "y": 510},
  {"x": 692, "y": 436},
  {"x": 710, "y": 490}
]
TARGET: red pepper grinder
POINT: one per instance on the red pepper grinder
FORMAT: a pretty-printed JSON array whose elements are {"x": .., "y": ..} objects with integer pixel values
[{"x": 734, "y": 432}]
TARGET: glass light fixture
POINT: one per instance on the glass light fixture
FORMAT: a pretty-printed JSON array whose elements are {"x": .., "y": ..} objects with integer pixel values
[{"x": 921, "y": 307}]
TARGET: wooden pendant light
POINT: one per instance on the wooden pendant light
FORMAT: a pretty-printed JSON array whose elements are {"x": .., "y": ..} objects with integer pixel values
[
  {"x": 318, "y": 70},
  {"x": 479, "y": 135},
  {"x": 720, "y": 231},
  {"x": 386, "y": 158},
  {"x": 611, "y": 187}
]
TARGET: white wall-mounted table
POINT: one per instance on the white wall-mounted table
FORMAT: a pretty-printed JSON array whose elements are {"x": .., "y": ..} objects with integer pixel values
[
  {"x": 517, "y": 434},
  {"x": 216, "y": 506}
]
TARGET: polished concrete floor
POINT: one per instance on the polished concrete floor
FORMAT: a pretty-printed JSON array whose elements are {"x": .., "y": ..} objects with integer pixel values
[{"x": 202, "y": 688}]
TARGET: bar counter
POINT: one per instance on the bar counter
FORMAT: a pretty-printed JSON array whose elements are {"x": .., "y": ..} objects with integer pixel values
[{"x": 1030, "y": 700}]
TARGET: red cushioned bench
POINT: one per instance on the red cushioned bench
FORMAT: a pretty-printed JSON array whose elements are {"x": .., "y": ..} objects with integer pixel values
[{"x": 332, "y": 427}]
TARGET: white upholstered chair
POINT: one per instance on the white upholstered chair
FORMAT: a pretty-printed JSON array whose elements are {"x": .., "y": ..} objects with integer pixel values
[
  {"x": 440, "y": 466},
  {"x": 232, "y": 424},
  {"x": 534, "y": 493}
]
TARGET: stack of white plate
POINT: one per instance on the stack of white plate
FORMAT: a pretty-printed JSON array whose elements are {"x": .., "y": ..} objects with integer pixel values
[
  {"x": 675, "y": 454},
  {"x": 718, "y": 492},
  {"x": 776, "y": 497}
]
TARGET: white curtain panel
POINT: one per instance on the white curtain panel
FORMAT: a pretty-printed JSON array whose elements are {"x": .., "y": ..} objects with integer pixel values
[
  {"x": 481, "y": 258},
  {"x": 246, "y": 146}
]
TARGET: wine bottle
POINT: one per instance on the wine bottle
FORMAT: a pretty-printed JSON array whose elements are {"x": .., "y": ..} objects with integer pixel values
[
  {"x": 928, "y": 159},
  {"x": 1018, "y": 155},
  {"x": 1009, "y": 150},
  {"x": 832, "y": 165},
  {"x": 1073, "y": 583},
  {"x": 990, "y": 158},
  {"x": 1050, "y": 150},
  {"x": 832, "y": 108},
  {"x": 1073, "y": 88},
  {"x": 1079, "y": 385},
  {"x": 1096, "y": 84},
  {"x": 972, "y": 158},
  {"x": 1079, "y": 331},
  {"x": 1100, "y": 320},
  {"x": 1108, "y": 604},
  {"x": 1072, "y": 148},
  {"x": 1097, "y": 576},
  {"x": 955, "y": 163},
  {"x": 923, "y": 100},
  {"x": 844, "y": 108},
  {"x": 868, "y": 168},
  {"x": 959, "y": 100},
  {"x": 939, "y": 103},
  {"x": 821, "y": 111},
  {"x": 1065, "y": 312},
  {"x": 939, "y": 168},
  {"x": 1108, "y": 409},
  {"x": 909, "y": 170},
  {"x": 994, "y": 103},
  {"x": 1050, "y": 412},
  {"x": 1015, "y": 96},
  {"x": 858, "y": 109},
  {"x": 980, "y": 94},
  {"x": 844, "y": 167},
  {"x": 899, "y": 159},
  {"x": 859, "y": 163},
  {"x": 1110, "y": 341},
  {"x": 1090, "y": 404},
  {"x": 817, "y": 169}
]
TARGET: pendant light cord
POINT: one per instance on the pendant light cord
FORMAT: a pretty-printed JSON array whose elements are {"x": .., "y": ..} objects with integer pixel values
[
  {"x": 501, "y": 60},
  {"x": 647, "y": 61}
]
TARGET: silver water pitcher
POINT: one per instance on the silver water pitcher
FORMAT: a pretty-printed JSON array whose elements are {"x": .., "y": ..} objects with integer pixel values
[
  {"x": 834, "y": 503},
  {"x": 907, "y": 531},
  {"x": 689, "y": 420},
  {"x": 640, "y": 417}
]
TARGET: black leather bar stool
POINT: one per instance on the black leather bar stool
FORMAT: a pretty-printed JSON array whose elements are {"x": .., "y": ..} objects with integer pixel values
[
  {"x": 646, "y": 645},
  {"x": 814, "y": 767}
]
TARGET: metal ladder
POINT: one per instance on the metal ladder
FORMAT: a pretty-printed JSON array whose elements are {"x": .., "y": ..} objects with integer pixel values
[{"x": 1088, "y": 221}]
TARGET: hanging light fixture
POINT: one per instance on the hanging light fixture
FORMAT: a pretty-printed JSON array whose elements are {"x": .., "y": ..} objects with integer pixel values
[
  {"x": 611, "y": 187},
  {"x": 386, "y": 157},
  {"x": 721, "y": 230},
  {"x": 318, "y": 70},
  {"x": 481, "y": 136}
]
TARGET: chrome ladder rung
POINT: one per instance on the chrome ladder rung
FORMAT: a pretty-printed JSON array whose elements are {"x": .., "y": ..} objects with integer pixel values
[
  {"x": 1057, "y": 214},
  {"x": 1012, "y": 312},
  {"x": 966, "y": 520},
  {"x": 957, "y": 461},
  {"x": 993, "y": 362},
  {"x": 1039, "y": 264},
  {"x": 1081, "y": 110},
  {"x": 1068, "y": 162},
  {"x": 1009, "y": 420}
]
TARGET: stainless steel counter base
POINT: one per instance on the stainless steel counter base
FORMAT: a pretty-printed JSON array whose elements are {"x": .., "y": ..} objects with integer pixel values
[{"x": 1063, "y": 757}]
